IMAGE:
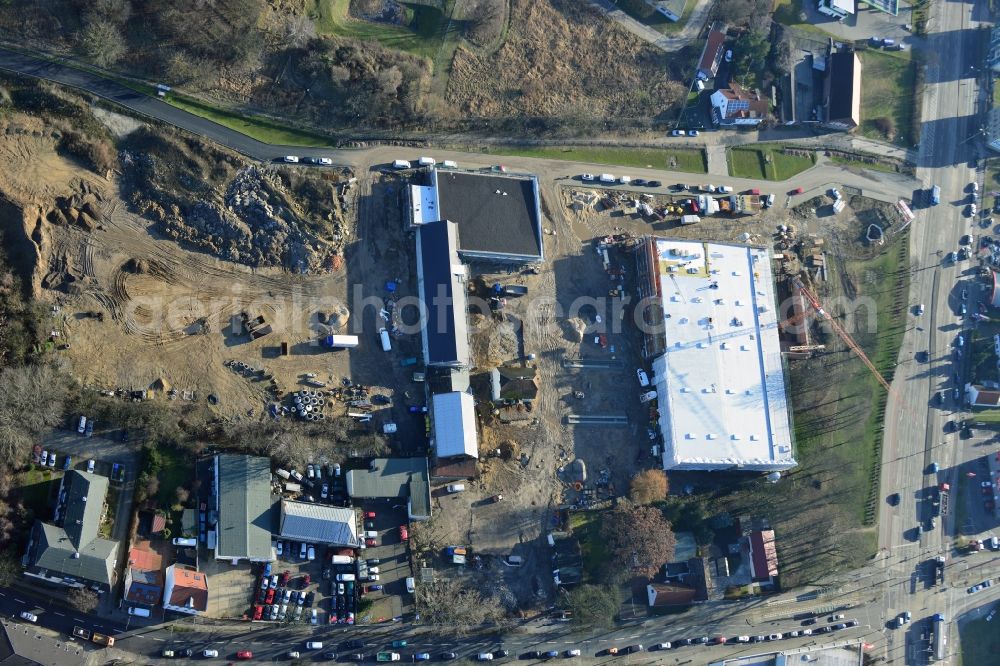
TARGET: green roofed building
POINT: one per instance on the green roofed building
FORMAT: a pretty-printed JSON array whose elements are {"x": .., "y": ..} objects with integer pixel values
[
  {"x": 403, "y": 478},
  {"x": 245, "y": 508},
  {"x": 70, "y": 551}
]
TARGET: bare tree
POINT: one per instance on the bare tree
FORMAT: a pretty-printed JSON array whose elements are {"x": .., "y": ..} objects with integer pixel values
[
  {"x": 458, "y": 607},
  {"x": 639, "y": 538},
  {"x": 82, "y": 600},
  {"x": 102, "y": 41},
  {"x": 31, "y": 401},
  {"x": 299, "y": 29},
  {"x": 648, "y": 486}
]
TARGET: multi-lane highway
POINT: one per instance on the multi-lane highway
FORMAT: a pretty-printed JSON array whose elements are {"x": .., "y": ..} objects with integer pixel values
[{"x": 916, "y": 435}]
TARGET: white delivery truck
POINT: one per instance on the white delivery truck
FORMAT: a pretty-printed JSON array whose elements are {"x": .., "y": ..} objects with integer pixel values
[
  {"x": 400, "y": 164},
  {"x": 690, "y": 219},
  {"x": 342, "y": 341},
  {"x": 607, "y": 178},
  {"x": 427, "y": 161}
]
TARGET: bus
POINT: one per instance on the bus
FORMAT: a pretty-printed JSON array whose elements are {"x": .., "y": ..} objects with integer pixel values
[{"x": 940, "y": 637}]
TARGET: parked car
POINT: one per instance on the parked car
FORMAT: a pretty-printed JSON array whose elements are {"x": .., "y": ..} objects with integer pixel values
[
  {"x": 291, "y": 159},
  {"x": 90, "y": 466},
  {"x": 243, "y": 655},
  {"x": 643, "y": 377},
  {"x": 587, "y": 176},
  {"x": 692, "y": 132},
  {"x": 677, "y": 132},
  {"x": 28, "y": 617}
]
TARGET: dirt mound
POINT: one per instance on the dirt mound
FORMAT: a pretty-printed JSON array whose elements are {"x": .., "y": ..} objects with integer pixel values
[{"x": 216, "y": 202}]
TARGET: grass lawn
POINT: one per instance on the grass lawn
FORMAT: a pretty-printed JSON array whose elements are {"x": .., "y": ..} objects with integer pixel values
[
  {"x": 674, "y": 159},
  {"x": 587, "y": 529},
  {"x": 766, "y": 162},
  {"x": 262, "y": 129},
  {"x": 887, "y": 88},
  {"x": 823, "y": 511},
  {"x": 980, "y": 640},
  {"x": 787, "y": 12},
  {"x": 35, "y": 486},
  {"x": 175, "y": 470}
]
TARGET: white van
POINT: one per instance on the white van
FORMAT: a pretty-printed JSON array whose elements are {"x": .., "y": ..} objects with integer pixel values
[
  {"x": 647, "y": 396},
  {"x": 139, "y": 612},
  {"x": 345, "y": 578},
  {"x": 181, "y": 541},
  {"x": 283, "y": 473},
  {"x": 456, "y": 487},
  {"x": 607, "y": 178},
  {"x": 341, "y": 559},
  {"x": 383, "y": 335},
  {"x": 449, "y": 164},
  {"x": 427, "y": 161},
  {"x": 83, "y": 425},
  {"x": 410, "y": 584},
  {"x": 725, "y": 189},
  {"x": 371, "y": 534},
  {"x": 400, "y": 164}
]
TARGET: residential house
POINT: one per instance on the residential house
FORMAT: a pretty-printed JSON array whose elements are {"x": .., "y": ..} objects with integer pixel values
[
  {"x": 992, "y": 129},
  {"x": 185, "y": 591},
  {"x": 143, "y": 577},
  {"x": 670, "y": 594},
  {"x": 27, "y": 645},
  {"x": 737, "y": 106},
  {"x": 671, "y": 9},
  {"x": 843, "y": 91},
  {"x": 763, "y": 557},
  {"x": 993, "y": 53},
  {"x": 70, "y": 551},
  {"x": 711, "y": 55},
  {"x": 982, "y": 396}
]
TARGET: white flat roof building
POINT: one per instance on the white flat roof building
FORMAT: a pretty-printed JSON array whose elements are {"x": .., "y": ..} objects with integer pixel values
[{"x": 718, "y": 369}]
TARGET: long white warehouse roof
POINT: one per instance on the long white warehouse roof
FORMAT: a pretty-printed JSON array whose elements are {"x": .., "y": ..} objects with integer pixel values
[{"x": 720, "y": 383}]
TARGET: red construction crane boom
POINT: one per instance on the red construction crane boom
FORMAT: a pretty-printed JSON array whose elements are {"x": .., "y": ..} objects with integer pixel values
[{"x": 848, "y": 340}]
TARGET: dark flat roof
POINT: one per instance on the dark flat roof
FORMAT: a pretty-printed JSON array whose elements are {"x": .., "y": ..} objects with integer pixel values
[
  {"x": 841, "y": 85},
  {"x": 445, "y": 335},
  {"x": 496, "y": 214}
]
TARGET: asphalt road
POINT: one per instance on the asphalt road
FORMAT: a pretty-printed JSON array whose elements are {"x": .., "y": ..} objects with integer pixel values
[{"x": 915, "y": 434}]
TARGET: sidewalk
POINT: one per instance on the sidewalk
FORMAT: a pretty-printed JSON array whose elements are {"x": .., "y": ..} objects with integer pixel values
[{"x": 717, "y": 163}]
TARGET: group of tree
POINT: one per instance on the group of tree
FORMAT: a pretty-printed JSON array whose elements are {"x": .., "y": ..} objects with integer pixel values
[
  {"x": 639, "y": 540},
  {"x": 457, "y": 606}
]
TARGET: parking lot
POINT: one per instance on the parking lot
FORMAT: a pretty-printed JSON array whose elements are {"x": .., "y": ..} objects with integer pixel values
[{"x": 342, "y": 585}]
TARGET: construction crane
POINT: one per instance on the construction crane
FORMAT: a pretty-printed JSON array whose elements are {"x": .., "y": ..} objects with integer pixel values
[{"x": 848, "y": 340}]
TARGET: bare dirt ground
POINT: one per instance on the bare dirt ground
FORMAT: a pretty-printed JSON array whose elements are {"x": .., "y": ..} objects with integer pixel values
[{"x": 136, "y": 310}]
